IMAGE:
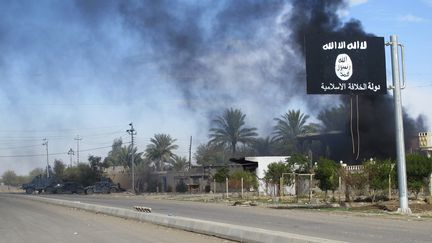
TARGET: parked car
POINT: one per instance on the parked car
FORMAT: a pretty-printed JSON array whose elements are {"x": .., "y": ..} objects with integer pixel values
[
  {"x": 102, "y": 187},
  {"x": 69, "y": 187}
]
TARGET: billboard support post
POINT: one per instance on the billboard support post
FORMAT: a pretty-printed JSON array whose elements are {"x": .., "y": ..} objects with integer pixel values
[{"x": 400, "y": 145}]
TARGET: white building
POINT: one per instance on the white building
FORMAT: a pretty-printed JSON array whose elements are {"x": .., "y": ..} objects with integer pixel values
[{"x": 263, "y": 162}]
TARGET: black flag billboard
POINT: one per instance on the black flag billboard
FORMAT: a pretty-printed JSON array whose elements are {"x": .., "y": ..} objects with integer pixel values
[{"x": 338, "y": 65}]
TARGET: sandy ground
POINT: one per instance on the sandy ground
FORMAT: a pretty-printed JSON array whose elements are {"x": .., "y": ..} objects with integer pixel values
[{"x": 4, "y": 188}]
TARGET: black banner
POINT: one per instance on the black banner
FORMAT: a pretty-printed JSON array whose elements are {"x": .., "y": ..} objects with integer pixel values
[{"x": 337, "y": 65}]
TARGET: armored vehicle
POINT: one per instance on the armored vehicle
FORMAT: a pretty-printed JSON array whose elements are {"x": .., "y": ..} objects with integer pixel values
[
  {"x": 102, "y": 187},
  {"x": 69, "y": 187},
  {"x": 41, "y": 184}
]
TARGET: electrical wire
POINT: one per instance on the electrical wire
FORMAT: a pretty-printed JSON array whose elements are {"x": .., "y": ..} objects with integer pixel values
[{"x": 60, "y": 153}]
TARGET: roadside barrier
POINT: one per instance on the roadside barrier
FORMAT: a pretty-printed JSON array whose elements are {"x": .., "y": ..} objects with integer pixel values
[{"x": 142, "y": 209}]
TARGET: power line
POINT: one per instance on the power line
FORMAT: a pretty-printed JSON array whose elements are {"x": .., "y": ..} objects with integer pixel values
[
  {"x": 61, "y": 129},
  {"x": 60, "y": 153}
]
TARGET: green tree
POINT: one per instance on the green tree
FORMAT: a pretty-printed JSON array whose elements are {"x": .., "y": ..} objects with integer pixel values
[
  {"x": 299, "y": 163},
  {"x": 378, "y": 172},
  {"x": 59, "y": 168},
  {"x": 120, "y": 156},
  {"x": 179, "y": 163},
  {"x": 143, "y": 170},
  {"x": 419, "y": 168},
  {"x": 221, "y": 174},
  {"x": 160, "y": 150},
  {"x": 289, "y": 126},
  {"x": 181, "y": 187},
  {"x": 211, "y": 154},
  {"x": 353, "y": 181},
  {"x": 10, "y": 178},
  {"x": 114, "y": 156},
  {"x": 274, "y": 173},
  {"x": 263, "y": 146},
  {"x": 36, "y": 172},
  {"x": 229, "y": 129},
  {"x": 327, "y": 172},
  {"x": 81, "y": 173},
  {"x": 249, "y": 179}
]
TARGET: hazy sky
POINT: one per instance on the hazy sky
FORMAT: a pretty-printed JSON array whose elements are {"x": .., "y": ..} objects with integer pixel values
[{"x": 89, "y": 68}]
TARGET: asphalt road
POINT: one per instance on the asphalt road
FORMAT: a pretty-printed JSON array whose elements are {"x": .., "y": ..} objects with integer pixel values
[
  {"x": 323, "y": 224},
  {"x": 22, "y": 220}
]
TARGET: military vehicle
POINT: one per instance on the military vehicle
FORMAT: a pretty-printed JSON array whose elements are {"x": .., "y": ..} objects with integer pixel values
[
  {"x": 102, "y": 187},
  {"x": 69, "y": 187},
  {"x": 41, "y": 184}
]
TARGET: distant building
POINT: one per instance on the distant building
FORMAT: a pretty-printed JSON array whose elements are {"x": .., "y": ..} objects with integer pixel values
[{"x": 258, "y": 165}]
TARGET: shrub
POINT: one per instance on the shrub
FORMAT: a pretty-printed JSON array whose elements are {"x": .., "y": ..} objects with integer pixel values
[{"x": 181, "y": 187}]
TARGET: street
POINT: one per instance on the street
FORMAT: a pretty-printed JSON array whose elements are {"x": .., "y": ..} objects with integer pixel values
[
  {"x": 23, "y": 220},
  {"x": 324, "y": 224}
]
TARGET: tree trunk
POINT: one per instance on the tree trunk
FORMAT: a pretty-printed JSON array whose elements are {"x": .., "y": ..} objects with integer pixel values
[{"x": 347, "y": 193}]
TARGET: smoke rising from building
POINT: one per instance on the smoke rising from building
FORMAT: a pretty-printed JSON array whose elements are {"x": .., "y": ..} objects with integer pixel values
[
  {"x": 227, "y": 53},
  {"x": 165, "y": 64}
]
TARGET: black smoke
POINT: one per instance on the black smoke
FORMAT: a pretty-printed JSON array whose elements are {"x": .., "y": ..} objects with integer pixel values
[
  {"x": 232, "y": 53},
  {"x": 372, "y": 131}
]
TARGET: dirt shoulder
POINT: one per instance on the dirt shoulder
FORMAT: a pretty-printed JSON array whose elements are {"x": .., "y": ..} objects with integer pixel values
[{"x": 419, "y": 208}]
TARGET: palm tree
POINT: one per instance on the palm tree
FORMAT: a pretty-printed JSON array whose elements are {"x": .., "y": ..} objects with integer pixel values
[
  {"x": 292, "y": 124},
  {"x": 160, "y": 149},
  {"x": 210, "y": 154},
  {"x": 263, "y": 146},
  {"x": 179, "y": 163},
  {"x": 229, "y": 129},
  {"x": 334, "y": 119}
]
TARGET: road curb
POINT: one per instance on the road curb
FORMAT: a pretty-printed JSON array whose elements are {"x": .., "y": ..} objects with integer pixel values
[{"x": 222, "y": 230}]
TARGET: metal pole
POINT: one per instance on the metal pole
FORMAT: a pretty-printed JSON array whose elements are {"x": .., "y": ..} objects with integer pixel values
[
  {"x": 47, "y": 159},
  {"x": 281, "y": 182},
  {"x": 190, "y": 153},
  {"x": 242, "y": 187},
  {"x": 226, "y": 186},
  {"x": 310, "y": 188},
  {"x": 400, "y": 146},
  {"x": 132, "y": 132},
  {"x": 70, "y": 153}
]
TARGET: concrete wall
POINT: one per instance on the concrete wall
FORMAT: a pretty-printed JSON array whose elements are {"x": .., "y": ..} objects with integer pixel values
[{"x": 263, "y": 162}]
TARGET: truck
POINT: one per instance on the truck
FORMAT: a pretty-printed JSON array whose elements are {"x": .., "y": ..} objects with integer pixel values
[{"x": 41, "y": 184}]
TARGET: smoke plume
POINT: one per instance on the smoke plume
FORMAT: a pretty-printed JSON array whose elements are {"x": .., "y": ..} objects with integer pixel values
[
  {"x": 374, "y": 135},
  {"x": 251, "y": 54}
]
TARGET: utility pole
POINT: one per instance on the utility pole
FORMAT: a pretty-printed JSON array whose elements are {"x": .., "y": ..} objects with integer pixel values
[
  {"x": 70, "y": 153},
  {"x": 47, "y": 159},
  {"x": 190, "y": 153},
  {"x": 132, "y": 132},
  {"x": 400, "y": 145},
  {"x": 78, "y": 139}
]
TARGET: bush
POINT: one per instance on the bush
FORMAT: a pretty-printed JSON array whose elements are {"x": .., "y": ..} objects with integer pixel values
[
  {"x": 249, "y": 180},
  {"x": 169, "y": 188},
  {"x": 418, "y": 169},
  {"x": 327, "y": 174},
  {"x": 222, "y": 174},
  {"x": 207, "y": 188},
  {"x": 181, "y": 187}
]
